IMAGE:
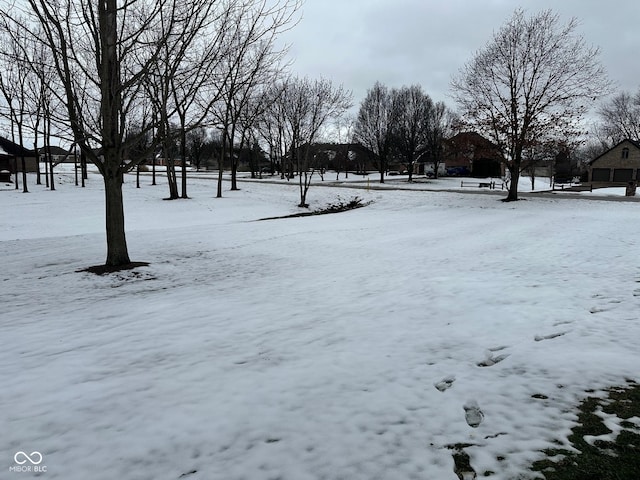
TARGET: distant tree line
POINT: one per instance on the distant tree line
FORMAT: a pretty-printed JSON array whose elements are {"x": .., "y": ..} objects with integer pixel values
[{"x": 403, "y": 124}]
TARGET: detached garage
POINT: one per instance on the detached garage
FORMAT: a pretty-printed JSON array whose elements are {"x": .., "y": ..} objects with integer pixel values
[{"x": 621, "y": 164}]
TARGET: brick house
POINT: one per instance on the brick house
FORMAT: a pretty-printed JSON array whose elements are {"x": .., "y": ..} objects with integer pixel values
[
  {"x": 618, "y": 165},
  {"x": 469, "y": 153}
]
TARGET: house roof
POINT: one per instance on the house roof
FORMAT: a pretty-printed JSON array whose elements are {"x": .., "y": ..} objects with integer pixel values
[
  {"x": 466, "y": 143},
  {"x": 8, "y": 148},
  {"x": 56, "y": 150},
  {"x": 635, "y": 143}
]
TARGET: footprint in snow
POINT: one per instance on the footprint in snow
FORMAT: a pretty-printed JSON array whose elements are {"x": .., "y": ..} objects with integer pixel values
[
  {"x": 492, "y": 359},
  {"x": 597, "y": 309},
  {"x": 497, "y": 349},
  {"x": 472, "y": 414},
  {"x": 539, "y": 338},
  {"x": 564, "y": 322},
  {"x": 610, "y": 305},
  {"x": 445, "y": 383}
]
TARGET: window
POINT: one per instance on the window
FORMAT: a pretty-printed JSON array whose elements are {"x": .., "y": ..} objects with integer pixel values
[{"x": 625, "y": 153}]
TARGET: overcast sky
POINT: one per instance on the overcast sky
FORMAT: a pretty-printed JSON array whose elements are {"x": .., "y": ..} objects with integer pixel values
[{"x": 402, "y": 42}]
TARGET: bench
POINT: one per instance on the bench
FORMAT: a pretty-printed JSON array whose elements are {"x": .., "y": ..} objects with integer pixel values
[
  {"x": 572, "y": 187},
  {"x": 489, "y": 185},
  {"x": 5, "y": 176}
]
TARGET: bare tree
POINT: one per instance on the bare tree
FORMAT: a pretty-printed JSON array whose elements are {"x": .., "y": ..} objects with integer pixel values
[
  {"x": 342, "y": 135},
  {"x": 308, "y": 106},
  {"x": 15, "y": 81},
  {"x": 196, "y": 145},
  {"x": 271, "y": 127},
  {"x": 620, "y": 118},
  {"x": 102, "y": 57},
  {"x": 250, "y": 61},
  {"x": 32, "y": 89},
  {"x": 535, "y": 78},
  {"x": 411, "y": 116},
  {"x": 373, "y": 127},
  {"x": 439, "y": 129},
  {"x": 254, "y": 108}
]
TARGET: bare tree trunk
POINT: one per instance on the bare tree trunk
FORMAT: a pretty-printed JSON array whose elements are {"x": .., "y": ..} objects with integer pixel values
[
  {"x": 117, "y": 253},
  {"x": 532, "y": 175},
  {"x": 171, "y": 178},
  {"x": 83, "y": 167},
  {"x": 234, "y": 160},
  {"x": 75, "y": 169},
  {"x": 223, "y": 152},
  {"x": 110, "y": 104},
  {"x": 46, "y": 169},
  {"x": 512, "y": 196},
  {"x": 36, "y": 152},
  {"x": 24, "y": 176},
  {"x": 15, "y": 169},
  {"x": 183, "y": 157},
  {"x": 49, "y": 158}
]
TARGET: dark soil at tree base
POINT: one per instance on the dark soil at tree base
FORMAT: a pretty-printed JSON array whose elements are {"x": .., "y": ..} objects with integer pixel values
[{"x": 104, "y": 269}]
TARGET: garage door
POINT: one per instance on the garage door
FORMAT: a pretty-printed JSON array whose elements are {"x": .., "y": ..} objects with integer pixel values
[
  {"x": 600, "y": 175},
  {"x": 623, "y": 174}
]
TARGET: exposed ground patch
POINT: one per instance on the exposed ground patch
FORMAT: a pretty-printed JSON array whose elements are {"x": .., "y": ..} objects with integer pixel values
[
  {"x": 604, "y": 454},
  {"x": 461, "y": 462},
  {"x": 340, "y": 206}
]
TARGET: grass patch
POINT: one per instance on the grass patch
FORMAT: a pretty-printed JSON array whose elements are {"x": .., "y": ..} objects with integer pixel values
[{"x": 601, "y": 459}]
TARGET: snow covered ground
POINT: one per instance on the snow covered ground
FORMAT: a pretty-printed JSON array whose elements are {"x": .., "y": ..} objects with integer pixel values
[{"x": 357, "y": 346}]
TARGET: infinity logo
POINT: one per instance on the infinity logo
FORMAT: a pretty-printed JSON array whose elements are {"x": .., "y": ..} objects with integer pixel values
[{"x": 35, "y": 458}]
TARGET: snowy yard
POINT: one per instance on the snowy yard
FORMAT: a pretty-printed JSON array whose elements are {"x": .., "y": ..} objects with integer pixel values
[{"x": 353, "y": 346}]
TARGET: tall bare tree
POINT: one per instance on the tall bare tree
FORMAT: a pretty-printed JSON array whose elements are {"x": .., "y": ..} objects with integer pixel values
[
  {"x": 271, "y": 126},
  {"x": 101, "y": 55},
  {"x": 373, "y": 127},
  {"x": 439, "y": 129},
  {"x": 411, "y": 116},
  {"x": 535, "y": 78},
  {"x": 251, "y": 60},
  {"x": 308, "y": 105},
  {"x": 197, "y": 145}
]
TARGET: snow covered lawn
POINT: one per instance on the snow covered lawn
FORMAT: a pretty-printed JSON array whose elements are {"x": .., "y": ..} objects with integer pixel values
[{"x": 353, "y": 346}]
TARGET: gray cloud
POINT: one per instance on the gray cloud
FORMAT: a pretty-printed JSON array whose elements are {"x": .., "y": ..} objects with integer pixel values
[{"x": 427, "y": 41}]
